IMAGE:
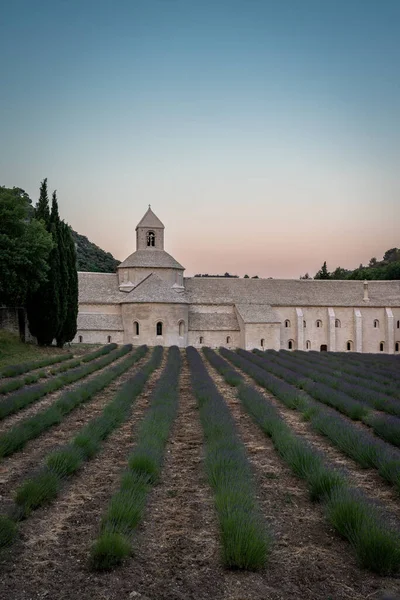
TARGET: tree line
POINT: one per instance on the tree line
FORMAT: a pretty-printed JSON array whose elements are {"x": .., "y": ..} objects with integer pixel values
[
  {"x": 387, "y": 268},
  {"x": 38, "y": 264}
]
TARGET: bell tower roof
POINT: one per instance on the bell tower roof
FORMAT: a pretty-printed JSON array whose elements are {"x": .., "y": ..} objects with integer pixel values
[{"x": 150, "y": 220}]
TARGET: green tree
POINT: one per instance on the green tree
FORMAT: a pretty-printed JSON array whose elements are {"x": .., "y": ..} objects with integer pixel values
[
  {"x": 323, "y": 273},
  {"x": 305, "y": 276},
  {"x": 42, "y": 210},
  {"x": 69, "y": 289},
  {"x": 25, "y": 246},
  {"x": 44, "y": 307},
  {"x": 340, "y": 273}
]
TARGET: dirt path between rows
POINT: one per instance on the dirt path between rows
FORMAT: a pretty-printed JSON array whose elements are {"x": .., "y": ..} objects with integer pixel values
[
  {"x": 308, "y": 560},
  {"x": 48, "y": 399},
  {"x": 16, "y": 467},
  {"x": 50, "y": 560}
]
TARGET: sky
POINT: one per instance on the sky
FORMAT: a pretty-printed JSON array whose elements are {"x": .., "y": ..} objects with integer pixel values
[{"x": 265, "y": 134}]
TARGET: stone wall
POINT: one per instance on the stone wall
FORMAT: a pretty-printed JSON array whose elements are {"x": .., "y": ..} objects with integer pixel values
[
  {"x": 214, "y": 339},
  {"x": 147, "y": 315},
  {"x": 99, "y": 337}
]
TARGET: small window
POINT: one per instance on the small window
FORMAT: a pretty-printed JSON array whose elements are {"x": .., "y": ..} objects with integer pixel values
[
  {"x": 80, "y": 339},
  {"x": 381, "y": 346},
  {"x": 287, "y": 323},
  {"x": 228, "y": 340},
  {"x": 349, "y": 345},
  {"x": 159, "y": 328},
  {"x": 324, "y": 348},
  {"x": 398, "y": 324},
  {"x": 181, "y": 328},
  {"x": 337, "y": 323},
  {"x": 308, "y": 345},
  {"x": 319, "y": 323},
  {"x": 201, "y": 340},
  {"x": 304, "y": 324},
  {"x": 136, "y": 328},
  {"x": 376, "y": 324},
  {"x": 290, "y": 344},
  {"x": 262, "y": 343},
  {"x": 109, "y": 339},
  {"x": 151, "y": 238},
  {"x": 396, "y": 348}
]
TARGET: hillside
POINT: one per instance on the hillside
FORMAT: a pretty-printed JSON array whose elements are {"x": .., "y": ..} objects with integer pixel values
[{"x": 92, "y": 258}]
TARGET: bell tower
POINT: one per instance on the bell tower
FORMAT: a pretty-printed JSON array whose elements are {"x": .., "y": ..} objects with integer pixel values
[{"x": 150, "y": 232}]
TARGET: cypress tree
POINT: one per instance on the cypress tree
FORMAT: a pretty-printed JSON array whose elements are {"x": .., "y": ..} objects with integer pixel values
[
  {"x": 42, "y": 210},
  {"x": 43, "y": 306},
  {"x": 69, "y": 327}
]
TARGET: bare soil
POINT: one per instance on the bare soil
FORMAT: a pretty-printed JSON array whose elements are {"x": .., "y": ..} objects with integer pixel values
[{"x": 177, "y": 549}]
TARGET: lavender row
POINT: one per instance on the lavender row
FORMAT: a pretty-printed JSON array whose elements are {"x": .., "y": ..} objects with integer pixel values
[
  {"x": 365, "y": 395},
  {"x": 245, "y": 540},
  {"x": 44, "y": 485},
  {"x": 334, "y": 398},
  {"x": 348, "y": 510}
]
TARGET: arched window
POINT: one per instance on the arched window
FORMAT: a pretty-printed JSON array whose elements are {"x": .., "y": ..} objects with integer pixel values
[
  {"x": 159, "y": 328},
  {"x": 80, "y": 339},
  {"x": 181, "y": 328},
  {"x": 337, "y": 323},
  {"x": 262, "y": 343},
  {"x": 381, "y": 346},
  {"x": 319, "y": 323},
  {"x": 308, "y": 345},
  {"x": 397, "y": 346},
  {"x": 136, "y": 328},
  {"x": 349, "y": 345},
  {"x": 287, "y": 323},
  {"x": 304, "y": 324},
  {"x": 109, "y": 339},
  {"x": 290, "y": 344},
  {"x": 151, "y": 238},
  {"x": 201, "y": 340},
  {"x": 376, "y": 324},
  {"x": 324, "y": 348},
  {"x": 398, "y": 324},
  {"x": 228, "y": 340}
]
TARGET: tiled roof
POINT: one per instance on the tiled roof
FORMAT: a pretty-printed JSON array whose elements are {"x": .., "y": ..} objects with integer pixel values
[
  {"x": 290, "y": 292},
  {"x": 150, "y": 257},
  {"x": 154, "y": 289},
  {"x": 257, "y": 313},
  {"x": 99, "y": 288},
  {"x": 150, "y": 220},
  {"x": 212, "y": 322},
  {"x": 96, "y": 321}
]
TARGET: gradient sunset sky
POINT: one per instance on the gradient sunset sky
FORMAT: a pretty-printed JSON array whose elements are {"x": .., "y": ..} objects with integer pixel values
[{"x": 265, "y": 134}]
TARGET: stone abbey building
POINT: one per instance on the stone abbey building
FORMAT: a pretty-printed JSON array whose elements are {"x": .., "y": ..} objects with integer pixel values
[{"x": 149, "y": 301}]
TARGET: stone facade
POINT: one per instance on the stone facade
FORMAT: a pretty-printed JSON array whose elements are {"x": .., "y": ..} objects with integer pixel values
[{"x": 150, "y": 302}]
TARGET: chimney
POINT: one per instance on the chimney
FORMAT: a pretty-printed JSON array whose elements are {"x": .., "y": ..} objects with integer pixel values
[{"x": 366, "y": 298}]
